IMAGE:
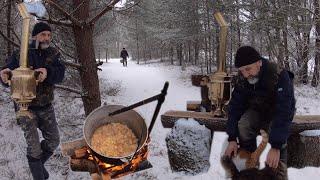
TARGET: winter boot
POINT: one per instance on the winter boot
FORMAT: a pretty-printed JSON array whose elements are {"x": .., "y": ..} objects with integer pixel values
[
  {"x": 282, "y": 169},
  {"x": 36, "y": 168},
  {"x": 44, "y": 157}
]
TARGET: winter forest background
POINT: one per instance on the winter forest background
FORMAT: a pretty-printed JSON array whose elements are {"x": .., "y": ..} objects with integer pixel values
[
  {"x": 184, "y": 32},
  {"x": 181, "y": 34}
]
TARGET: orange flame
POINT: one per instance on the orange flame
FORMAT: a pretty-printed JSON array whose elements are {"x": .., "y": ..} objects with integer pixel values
[{"x": 123, "y": 169}]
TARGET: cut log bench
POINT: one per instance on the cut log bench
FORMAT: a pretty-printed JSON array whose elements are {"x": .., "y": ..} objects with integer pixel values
[{"x": 303, "y": 146}]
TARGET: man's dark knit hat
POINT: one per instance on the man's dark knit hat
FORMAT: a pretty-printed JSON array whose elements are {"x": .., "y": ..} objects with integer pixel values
[
  {"x": 246, "y": 55},
  {"x": 39, "y": 27}
]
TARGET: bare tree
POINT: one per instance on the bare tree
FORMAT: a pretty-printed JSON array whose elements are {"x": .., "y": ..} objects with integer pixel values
[
  {"x": 9, "y": 46},
  {"x": 316, "y": 75},
  {"x": 183, "y": 32}
]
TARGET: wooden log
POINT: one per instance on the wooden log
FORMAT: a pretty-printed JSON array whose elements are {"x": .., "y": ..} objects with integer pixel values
[
  {"x": 304, "y": 149},
  {"x": 95, "y": 176},
  {"x": 102, "y": 176},
  {"x": 201, "y": 81},
  {"x": 68, "y": 148},
  {"x": 169, "y": 118},
  {"x": 305, "y": 122},
  {"x": 200, "y": 106},
  {"x": 83, "y": 165},
  {"x": 105, "y": 176},
  {"x": 193, "y": 105},
  {"x": 80, "y": 153},
  {"x": 205, "y": 101},
  {"x": 300, "y": 123},
  {"x": 196, "y": 79}
]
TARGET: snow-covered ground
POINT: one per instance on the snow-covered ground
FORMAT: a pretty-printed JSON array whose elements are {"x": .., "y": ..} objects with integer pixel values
[{"x": 136, "y": 82}]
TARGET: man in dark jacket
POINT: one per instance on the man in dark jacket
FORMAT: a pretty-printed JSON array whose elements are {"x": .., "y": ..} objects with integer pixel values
[
  {"x": 263, "y": 98},
  {"x": 46, "y": 60},
  {"x": 124, "y": 54}
]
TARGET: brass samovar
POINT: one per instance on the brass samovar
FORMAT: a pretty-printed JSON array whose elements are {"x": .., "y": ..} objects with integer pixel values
[
  {"x": 219, "y": 83},
  {"x": 23, "y": 81}
]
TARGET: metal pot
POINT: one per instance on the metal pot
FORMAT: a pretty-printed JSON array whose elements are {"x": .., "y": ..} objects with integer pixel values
[{"x": 100, "y": 117}]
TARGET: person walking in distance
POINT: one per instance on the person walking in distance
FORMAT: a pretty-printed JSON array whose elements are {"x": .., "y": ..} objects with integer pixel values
[{"x": 124, "y": 55}]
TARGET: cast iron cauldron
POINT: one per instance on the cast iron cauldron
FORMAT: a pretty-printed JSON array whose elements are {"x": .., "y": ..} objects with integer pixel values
[{"x": 100, "y": 117}]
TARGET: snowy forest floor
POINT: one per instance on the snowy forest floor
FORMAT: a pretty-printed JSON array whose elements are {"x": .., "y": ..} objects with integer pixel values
[{"x": 125, "y": 86}]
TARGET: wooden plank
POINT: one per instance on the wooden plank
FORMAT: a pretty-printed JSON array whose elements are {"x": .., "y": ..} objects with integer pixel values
[
  {"x": 68, "y": 148},
  {"x": 299, "y": 124}
]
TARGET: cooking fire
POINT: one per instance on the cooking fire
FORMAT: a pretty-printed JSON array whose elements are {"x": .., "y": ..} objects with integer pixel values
[{"x": 115, "y": 142}]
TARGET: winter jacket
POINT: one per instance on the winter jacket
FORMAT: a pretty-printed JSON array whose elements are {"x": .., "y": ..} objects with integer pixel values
[
  {"x": 124, "y": 54},
  {"x": 37, "y": 58},
  {"x": 272, "y": 97}
]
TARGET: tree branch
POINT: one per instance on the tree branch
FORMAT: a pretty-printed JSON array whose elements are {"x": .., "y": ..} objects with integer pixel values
[
  {"x": 75, "y": 65},
  {"x": 16, "y": 35},
  {"x": 106, "y": 9},
  {"x": 70, "y": 89},
  {"x": 7, "y": 39},
  {"x": 64, "y": 12},
  {"x": 135, "y": 4},
  {"x": 51, "y": 21},
  {"x": 78, "y": 7},
  {"x": 64, "y": 52}
]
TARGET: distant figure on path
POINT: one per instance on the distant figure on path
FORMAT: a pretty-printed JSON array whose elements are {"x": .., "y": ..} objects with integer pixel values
[{"x": 124, "y": 54}]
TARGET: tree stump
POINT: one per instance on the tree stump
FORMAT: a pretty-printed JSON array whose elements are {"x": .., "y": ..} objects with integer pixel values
[
  {"x": 205, "y": 101},
  {"x": 189, "y": 145},
  {"x": 304, "y": 149},
  {"x": 201, "y": 81}
]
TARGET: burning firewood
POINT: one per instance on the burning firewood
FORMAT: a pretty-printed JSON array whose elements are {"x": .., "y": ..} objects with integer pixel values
[{"x": 82, "y": 159}]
